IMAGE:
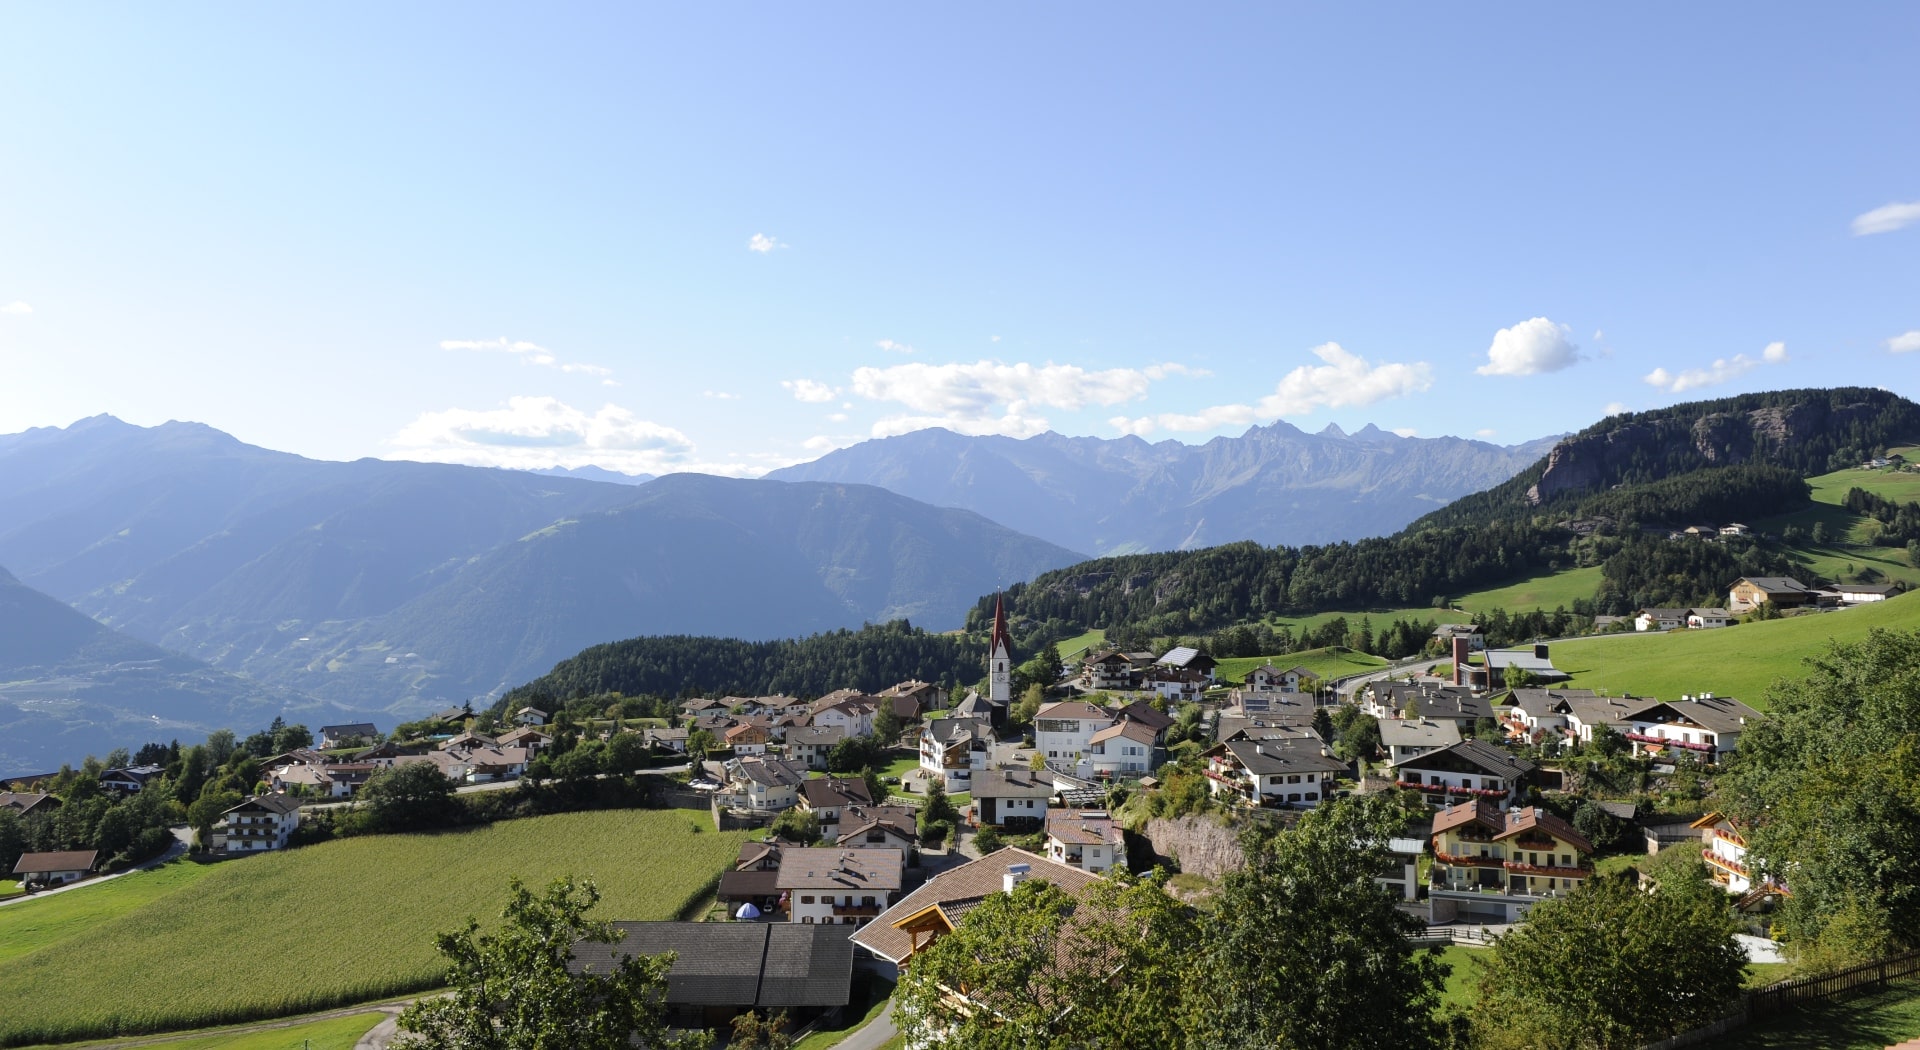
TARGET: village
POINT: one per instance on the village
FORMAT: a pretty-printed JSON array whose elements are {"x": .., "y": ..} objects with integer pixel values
[{"x": 857, "y": 870}]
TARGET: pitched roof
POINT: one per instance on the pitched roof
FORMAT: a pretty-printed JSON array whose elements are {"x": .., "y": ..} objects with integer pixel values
[
  {"x": 1533, "y": 817},
  {"x": 350, "y": 729},
  {"x": 42, "y": 863},
  {"x": 840, "y": 869},
  {"x": 1083, "y": 828},
  {"x": 957, "y": 889},
  {"x": 1479, "y": 754},
  {"x": 1774, "y": 584},
  {"x": 816, "y": 736},
  {"x": 829, "y": 792},
  {"x": 1601, "y": 710},
  {"x": 1537, "y": 702},
  {"x": 1130, "y": 729},
  {"x": 1012, "y": 783},
  {"x": 855, "y": 821},
  {"x": 1186, "y": 656},
  {"x": 1264, "y": 758},
  {"x": 1418, "y": 732},
  {"x": 25, "y": 802},
  {"x": 1719, "y": 714},
  {"x": 282, "y": 804},
  {"x": 772, "y": 772},
  {"x": 1073, "y": 709},
  {"x": 735, "y": 964},
  {"x": 1146, "y": 714}
]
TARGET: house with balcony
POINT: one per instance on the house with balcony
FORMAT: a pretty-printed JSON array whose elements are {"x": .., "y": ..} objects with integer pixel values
[
  {"x": 1402, "y": 877},
  {"x": 839, "y": 887},
  {"x": 1107, "y": 669},
  {"x": 351, "y": 734},
  {"x": 852, "y": 713},
  {"x": 1469, "y": 770},
  {"x": 1475, "y": 636},
  {"x": 1175, "y": 683},
  {"x": 1086, "y": 839},
  {"x": 1063, "y": 731},
  {"x": 1705, "y": 726},
  {"x": 257, "y": 825},
  {"x": 1493, "y": 865},
  {"x": 763, "y": 783},
  {"x": 1584, "y": 712},
  {"x": 1750, "y": 592},
  {"x": 1535, "y": 716},
  {"x": 1427, "y": 700},
  {"x": 1701, "y": 619},
  {"x": 1292, "y": 772},
  {"x": 877, "y": 827},
  {"x": 1270, "y": 679},
  {"x": 955, "y": 750},
  {"x": 1660, "y": 619},
  {"x": 887, "y": 945},
  {"x": 1724, "y": 848},
  {"x": 1014, "y": 799},
  {"x": 746, "y": 738}
]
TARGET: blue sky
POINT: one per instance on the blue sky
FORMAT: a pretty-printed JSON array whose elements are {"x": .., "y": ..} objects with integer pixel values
[{"x": 729, "y": 237}]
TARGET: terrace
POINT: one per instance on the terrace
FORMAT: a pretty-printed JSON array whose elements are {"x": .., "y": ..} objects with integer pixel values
[{"x": 1661, "y": 741}]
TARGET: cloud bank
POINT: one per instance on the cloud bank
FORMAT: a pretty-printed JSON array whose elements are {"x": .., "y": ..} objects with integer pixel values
[
  {"x": 1722, "y": 370},
  {"x": 1343, "y": 380}
]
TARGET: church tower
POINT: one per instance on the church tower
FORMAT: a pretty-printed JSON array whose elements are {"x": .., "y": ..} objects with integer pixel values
[{"x": 1000, "y": 660}]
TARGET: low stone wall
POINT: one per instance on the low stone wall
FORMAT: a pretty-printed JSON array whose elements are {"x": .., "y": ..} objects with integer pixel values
[{"x": 1198, "y": 845}]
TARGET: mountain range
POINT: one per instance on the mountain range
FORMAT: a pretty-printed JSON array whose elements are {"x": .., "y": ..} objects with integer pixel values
[
  {"x": 1273, "y": 484},
  {"x": 389, "y": 586}
]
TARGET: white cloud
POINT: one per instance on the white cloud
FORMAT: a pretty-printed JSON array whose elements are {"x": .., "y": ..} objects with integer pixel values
[
  {"x": 837, "y": 417},
  {"x": 720, "y": 395},
  {"x": 894, "y": 348},
  {"x": 1886, "y": 218},
  {"x": 763, "y": 244},
  {"x": 992, "y": 397},
  {"x": 810, "y": 391},
  {"x": 1905, "y": 343},
  {"x": 1345, "y": 380},
  {"x": 16, "y": 307},
  {"x": 535, "y": 432},
  {"x": 1485, "y": 432},
  {"x": 1722, "y": 370},
  {"x": 1532, "y": 347},
  {"x": 1406, "y": 432},
  {"x": 1615, "y": 408},
  {"x": 529, "y": 353},
  {"x": 993, "y": 338}
]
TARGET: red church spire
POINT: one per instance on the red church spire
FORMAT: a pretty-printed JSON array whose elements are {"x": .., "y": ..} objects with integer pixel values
[{"x": 1001, "y": 640}]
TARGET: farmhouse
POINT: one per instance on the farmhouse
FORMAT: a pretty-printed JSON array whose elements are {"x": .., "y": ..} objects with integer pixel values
[
  {"x": 1750, "y": 592},
  {"x": 724, "y": 969},
  {"x": 1493, "y": 866},
  {"x": 41, "y": 870},
  {"x": 886, "y": 944}
]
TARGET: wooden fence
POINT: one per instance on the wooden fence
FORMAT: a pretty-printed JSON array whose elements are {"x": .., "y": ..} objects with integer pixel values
[{"x": 1765, "y": 1002}]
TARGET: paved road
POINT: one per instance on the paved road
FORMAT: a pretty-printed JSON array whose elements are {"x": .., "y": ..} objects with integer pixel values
[
  {"x": 876, "y": 1032},
  {"x": 182, "y": 839}
]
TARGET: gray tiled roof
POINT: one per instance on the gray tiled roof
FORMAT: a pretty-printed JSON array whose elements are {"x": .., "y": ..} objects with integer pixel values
[{"x": 740, "y": 964}]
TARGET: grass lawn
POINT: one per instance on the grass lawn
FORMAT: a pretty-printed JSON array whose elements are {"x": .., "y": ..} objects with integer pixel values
[
  {"x": 865, "y": 989},
  {"x": 32, "y": 925},
  {"x": 339, "y": 1033},
  {"x": 1463, "y": 983},
  {"x": 1899, "y": 486},
  {"x": 1333, "y": 662},
  {"x": 1760, "y": 975},
  {"x": 1740, "y": 661},
  {"x": 1546, "y": 592},
  {"x": 901, "y": 766},
  {"x": 344, "y": 922},
  {"x": 1074, "y": 648},
  {"x": 1865, "y": 1023},
  {"x": 1381, "y": 618},
  {"x": 9, "y": 888}
]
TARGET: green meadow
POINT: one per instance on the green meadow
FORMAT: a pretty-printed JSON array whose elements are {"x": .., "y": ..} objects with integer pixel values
[
  {"x": 1328, "y": 663},
  {"x": 31, "y": 925},
  {"x": 344, "y": 922},
  {"x": 1739, "y": 661}
]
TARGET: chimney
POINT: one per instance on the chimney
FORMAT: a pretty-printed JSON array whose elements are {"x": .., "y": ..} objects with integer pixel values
[
  {"x": 1540, "y": 651},
  {"x": 1016, "y": 874},
  {"x": 1460, "y": 650}
]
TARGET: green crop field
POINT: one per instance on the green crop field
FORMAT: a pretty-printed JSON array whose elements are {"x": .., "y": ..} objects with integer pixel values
[
  {"x": 1738, "y": 661},
  {"x": 340, "y": 923},
  {"x": 1327, "y": 663},
  {"x": 32, "y": 925}
]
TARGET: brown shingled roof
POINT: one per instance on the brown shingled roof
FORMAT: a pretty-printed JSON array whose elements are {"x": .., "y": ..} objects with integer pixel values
[{"x": 965, "y": 885}]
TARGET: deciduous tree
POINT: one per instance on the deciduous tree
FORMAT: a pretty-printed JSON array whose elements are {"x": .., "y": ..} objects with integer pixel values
[
  {"x": 512, "y": 990},
  {"x": 1609, "y": 966}
]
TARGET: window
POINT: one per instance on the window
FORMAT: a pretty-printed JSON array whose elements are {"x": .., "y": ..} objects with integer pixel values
[
  {"x": 1313, "y": 796},
  {"x": 807, "y": 899},
  {"x": 807, "y": 919},
  {"x": 868, "y": 901},
  {"x": 1293, "y": 779},
  {"x": 846, "y": 920},
  {"x": 1413, "y": 778},
  {"x": 1566, "y": 860}
]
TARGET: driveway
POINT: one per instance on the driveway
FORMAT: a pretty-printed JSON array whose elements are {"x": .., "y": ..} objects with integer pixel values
[
  {"x": 182, "y": 840},
  {"x": 874, "y": 1035}
]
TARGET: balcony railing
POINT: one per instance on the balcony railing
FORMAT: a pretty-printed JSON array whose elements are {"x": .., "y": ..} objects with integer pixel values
[
  {"x": 1728, "y": 836},
  {"x": 1716, "y": 859},
  {"x": 1547, "y": 869},
  {"x": 1451, "y": 790},
  {"x": 1648, "y": 738},
  {"x": 1467, "y": 861}
]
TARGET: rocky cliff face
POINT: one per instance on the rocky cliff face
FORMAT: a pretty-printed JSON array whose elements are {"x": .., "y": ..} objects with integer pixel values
[
  {"x": 1591, "y": 461},
  {"x": 1199, "y": 845}
]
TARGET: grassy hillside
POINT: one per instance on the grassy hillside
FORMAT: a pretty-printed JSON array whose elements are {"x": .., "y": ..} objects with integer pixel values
[
  {"x": 344, "y": 922},
  {"x": 1549, "y": 591},
  {"x": 1851, "y": 548},
  {"x": 1331, "y": 662},
  {"x": 1731, "y": 661}
]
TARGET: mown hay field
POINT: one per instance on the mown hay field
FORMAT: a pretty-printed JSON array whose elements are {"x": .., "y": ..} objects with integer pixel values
[
  {"x": 1739, "y": 661},
  {"x": 339, "y": 923},
  {"x": 1330, "y": 663}
]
